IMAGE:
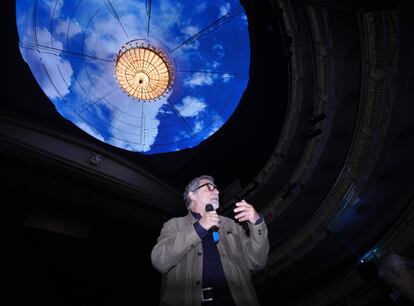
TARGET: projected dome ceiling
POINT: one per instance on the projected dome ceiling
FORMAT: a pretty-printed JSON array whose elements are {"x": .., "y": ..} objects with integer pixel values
[{"x": 145, "y": 76}]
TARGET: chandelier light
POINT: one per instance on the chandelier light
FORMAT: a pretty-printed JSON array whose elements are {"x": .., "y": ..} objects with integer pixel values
[{"x": 143, "y": 71}]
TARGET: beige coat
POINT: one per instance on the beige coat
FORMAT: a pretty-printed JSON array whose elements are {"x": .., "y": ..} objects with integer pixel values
[{"x": 178, "y": 255}]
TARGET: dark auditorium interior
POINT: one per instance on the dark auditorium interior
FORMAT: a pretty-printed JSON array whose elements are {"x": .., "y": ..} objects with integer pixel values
[{"x": 322, "y": 143}]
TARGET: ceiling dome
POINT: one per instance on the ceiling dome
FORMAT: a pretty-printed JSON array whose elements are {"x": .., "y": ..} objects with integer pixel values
[{"x": 101, "y": 62}]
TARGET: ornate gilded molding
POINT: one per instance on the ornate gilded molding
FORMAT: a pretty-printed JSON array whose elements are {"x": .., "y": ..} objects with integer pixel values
[
  {"x": 324, "y": 104},
  {"x": 294, "y": 50},
  {"x": 378, "y": 41}
]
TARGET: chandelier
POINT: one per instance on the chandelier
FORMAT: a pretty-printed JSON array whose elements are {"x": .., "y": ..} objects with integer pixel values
[{"x": 143, "y": 71}]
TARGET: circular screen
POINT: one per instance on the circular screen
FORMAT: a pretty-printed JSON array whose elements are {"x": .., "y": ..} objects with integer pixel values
[{"x": 144, "y": 76}]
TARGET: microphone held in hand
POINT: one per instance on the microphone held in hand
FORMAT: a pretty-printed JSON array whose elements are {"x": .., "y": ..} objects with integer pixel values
[{"x": 213, "y": 229}]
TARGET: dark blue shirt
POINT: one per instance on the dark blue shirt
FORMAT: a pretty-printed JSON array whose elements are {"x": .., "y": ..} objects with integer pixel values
[{"x": 213, "y": 273}]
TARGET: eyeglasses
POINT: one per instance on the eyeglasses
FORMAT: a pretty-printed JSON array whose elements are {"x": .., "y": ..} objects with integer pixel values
[{"x": 210, "y": 186}]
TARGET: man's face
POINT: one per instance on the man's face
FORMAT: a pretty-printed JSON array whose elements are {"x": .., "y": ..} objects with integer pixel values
[{"x": 205, "y": 193}]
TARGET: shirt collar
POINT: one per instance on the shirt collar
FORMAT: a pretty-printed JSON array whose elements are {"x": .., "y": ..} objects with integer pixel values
[{"x": 196, "y": 215}]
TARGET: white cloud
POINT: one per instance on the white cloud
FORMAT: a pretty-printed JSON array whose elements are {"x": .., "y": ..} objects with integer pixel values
[
  {"x": 55, "y": 7},
  {"x": 85, "y": 127},
  {"x": 21, "y": 21},
  {"x": 62, "y": 26},
  {"x": 193, "y": 46},
  {"x": 170, "y": 11},
  {"x": 190, "y": 30},
  {"x": 104, "y": 43},
  {"x": 199, "y": 79},
  {"x": 198, "y": 126},
  {"x": 215, "y": 65},
  {"x": 132, "y": 23},
  {"x": 224, "y": 9},
  {"x": 99, "y": 79},
  {"x": 44, "y": 38},
  {"x": 165, "y": 111},
  {"x": 191, "y": 106},
  {"x": 200, "y": 7},
  {"x": 219, "y": 49},
  {"x": 143, "y": 135},
  {"x": 216, "y": 124},
  {"x": 59, "y": 70},
  {"x": 219, "y": 56},
  {"x": 226, "y": 77}
]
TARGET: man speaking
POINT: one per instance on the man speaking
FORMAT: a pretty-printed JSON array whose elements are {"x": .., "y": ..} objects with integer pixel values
[{"x": 207, "y": 259}]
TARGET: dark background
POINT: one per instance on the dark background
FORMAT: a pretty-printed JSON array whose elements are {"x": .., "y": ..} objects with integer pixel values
[{"x": 87, "y": 238}]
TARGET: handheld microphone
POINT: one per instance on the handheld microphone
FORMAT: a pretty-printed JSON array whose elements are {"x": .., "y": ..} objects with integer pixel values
[{"x": 214, "y": 229}]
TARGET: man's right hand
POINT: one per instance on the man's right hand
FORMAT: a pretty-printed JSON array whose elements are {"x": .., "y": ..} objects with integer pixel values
[{"x": 209, "y": 219}]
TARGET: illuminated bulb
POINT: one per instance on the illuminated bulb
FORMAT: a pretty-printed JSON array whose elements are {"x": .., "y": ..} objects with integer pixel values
[{"x": 143, "y": 72}]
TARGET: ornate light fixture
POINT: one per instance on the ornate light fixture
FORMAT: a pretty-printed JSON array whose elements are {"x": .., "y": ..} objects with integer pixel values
[{"x": 143, "y": 71}]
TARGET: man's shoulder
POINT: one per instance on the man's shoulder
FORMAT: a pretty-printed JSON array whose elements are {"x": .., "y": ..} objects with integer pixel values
[{"x": 176, "y": 220}]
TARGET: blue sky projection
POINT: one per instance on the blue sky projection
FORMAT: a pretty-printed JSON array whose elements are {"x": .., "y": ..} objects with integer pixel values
[{"x": 70, "y": 48}]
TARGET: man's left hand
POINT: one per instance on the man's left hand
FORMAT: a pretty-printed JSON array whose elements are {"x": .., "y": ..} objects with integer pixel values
[{"x": 246, "y": 212}]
